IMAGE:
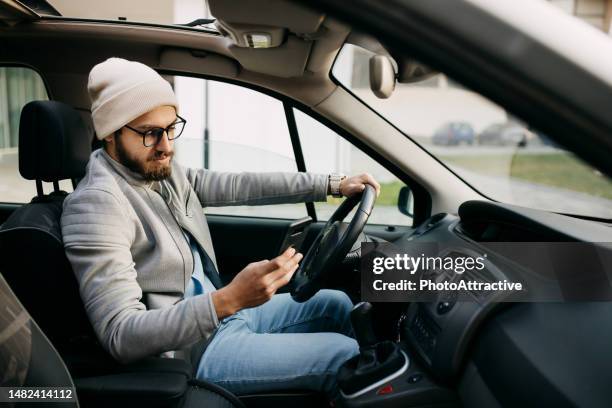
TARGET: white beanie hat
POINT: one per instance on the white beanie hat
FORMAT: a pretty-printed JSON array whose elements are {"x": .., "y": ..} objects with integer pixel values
[{"x": 122, "y": 90}]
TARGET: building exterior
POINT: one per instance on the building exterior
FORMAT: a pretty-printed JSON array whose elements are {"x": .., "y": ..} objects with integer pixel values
[{"x": 598, "y": 13}]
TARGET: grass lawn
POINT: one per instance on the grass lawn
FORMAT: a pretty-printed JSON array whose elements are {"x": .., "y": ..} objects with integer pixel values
[
  {"x": 560, "y": 170},
  {"x": 557, "y": 169}
]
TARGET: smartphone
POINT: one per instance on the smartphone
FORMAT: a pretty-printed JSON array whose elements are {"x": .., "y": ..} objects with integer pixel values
[{"x": 296, "y": 232}]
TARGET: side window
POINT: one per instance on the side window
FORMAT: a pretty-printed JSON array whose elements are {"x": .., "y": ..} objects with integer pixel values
[
  {"x": 235, "y": 129},
  {"x": 325, "y": 151},
  {"x": 18, "y": 86}
]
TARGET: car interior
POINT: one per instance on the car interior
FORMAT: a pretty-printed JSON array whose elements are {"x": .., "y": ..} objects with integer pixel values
[{"x": 443, "y": 353}]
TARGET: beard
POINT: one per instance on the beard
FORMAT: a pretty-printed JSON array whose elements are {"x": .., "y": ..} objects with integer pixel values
[{"x": 147, "y": 168}]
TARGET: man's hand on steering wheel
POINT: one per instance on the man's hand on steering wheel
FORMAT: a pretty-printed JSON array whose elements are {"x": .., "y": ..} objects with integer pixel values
[{"x": 353, "y": 185}]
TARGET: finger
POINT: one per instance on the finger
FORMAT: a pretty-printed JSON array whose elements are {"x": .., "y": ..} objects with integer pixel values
[
  {"x": 289, "y": 265},
  {"x": 285, "y": 279},
  {"x": 280, "y": 269},
  {"x": 264, "y": 267},
  {"x": 289, "y": 252},
  {"x": 373, "y": 183},
  {"x": 368, "y": 179},
  {"x": 286, "y": 268},
  {"x": 279, "y": 261},
  {"x": 258, "y": 264}
]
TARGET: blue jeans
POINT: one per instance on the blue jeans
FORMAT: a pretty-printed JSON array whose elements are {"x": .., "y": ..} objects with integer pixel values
[{"x": 282, "y": 345}]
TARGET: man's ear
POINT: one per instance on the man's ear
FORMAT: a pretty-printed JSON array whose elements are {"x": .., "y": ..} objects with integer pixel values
[{"x": 108, "y": 143}]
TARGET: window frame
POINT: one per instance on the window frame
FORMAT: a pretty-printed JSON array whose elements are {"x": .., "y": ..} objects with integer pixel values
[{"x": 294, "y": 134}]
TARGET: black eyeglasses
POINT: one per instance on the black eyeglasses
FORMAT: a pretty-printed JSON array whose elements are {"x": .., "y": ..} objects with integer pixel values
[{"x": 153, "y": 136}]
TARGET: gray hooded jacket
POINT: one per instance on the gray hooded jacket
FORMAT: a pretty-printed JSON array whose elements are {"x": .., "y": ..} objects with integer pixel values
[{"x": 123, "y": 236}]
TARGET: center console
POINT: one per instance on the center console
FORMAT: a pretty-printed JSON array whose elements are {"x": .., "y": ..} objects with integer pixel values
[{"x": 385, "y": 373}]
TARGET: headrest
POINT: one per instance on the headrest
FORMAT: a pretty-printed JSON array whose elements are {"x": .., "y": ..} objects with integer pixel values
[{"x": 54, "y": 143}]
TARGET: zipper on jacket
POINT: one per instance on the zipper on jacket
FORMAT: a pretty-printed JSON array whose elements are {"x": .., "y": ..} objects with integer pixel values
[
  {"x": 161, "y": 184},
  {"x": 187, "y": 205}
]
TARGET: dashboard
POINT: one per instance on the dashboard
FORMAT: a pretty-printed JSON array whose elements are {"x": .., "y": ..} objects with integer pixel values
[{"x": 503, "y": 350}]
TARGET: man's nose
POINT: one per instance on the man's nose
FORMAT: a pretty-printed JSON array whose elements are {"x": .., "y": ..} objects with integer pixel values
[{"x": 164, "y": 144}]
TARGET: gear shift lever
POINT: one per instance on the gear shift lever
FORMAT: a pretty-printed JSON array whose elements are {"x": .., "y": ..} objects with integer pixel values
[
  {"x": 377, "y": 362},
  {"x": 361, "y": 319}
]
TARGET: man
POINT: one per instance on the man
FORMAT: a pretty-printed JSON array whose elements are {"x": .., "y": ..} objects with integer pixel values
[{"x": 137, "y": 238}]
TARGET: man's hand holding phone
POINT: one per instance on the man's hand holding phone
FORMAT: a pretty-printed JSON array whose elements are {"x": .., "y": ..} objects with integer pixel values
[{"x": 256, "y": 284}]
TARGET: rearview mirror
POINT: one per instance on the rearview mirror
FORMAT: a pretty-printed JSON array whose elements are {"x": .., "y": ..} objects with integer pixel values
[
  {"x": 405, "y": 201},
  {"x": 382, "y": 76}
]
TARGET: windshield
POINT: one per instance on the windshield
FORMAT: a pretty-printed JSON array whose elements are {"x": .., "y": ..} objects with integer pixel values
[{"x": 486, "y": 146}]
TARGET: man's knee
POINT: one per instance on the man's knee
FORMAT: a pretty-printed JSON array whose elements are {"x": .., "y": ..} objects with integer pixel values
[
  {"x": 346, "y": 348},
  {"x": 336, "y": 300}
]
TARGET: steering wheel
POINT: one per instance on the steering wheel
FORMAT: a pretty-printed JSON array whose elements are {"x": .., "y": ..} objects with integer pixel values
[{"x": 332, "y": 244}]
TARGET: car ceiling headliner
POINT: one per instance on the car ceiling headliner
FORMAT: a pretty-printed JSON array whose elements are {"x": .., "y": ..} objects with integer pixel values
[{"x": 60, "y": 48}]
